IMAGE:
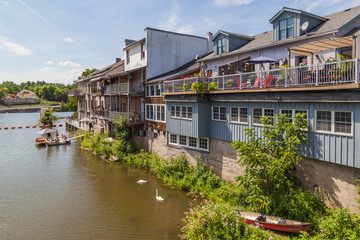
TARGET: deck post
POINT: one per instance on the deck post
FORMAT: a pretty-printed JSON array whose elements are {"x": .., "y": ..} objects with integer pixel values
[
  {"x": 223, "y": 84},
  {"x": 286, "y": 77},
  {"x": 356, "y": 70},
  {"x": 317, "y": 74},
  {"x": 240, "y": 77},
  {"x": 173, "y": 86}
]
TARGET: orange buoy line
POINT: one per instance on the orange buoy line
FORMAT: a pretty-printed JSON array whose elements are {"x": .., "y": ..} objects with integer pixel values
[{"x": 28, "y": 126}]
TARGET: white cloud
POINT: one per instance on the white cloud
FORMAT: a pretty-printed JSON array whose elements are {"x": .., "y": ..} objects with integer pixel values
[
  {"x": 227, "y": 3},
  {"x": 48, "y": 74},
  {"x": 68, "y": 64},
  {"x": 48, "y": 62},
  {"x": 69, "y": 39},
  {"x": 316, "y": 3},
  {"x": 9, "y": 46},
  {"x": 174, "y": 23}
]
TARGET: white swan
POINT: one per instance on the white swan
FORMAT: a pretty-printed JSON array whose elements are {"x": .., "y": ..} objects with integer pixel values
[
  {"x": 158, "y": 197},
  {"x": 141, "y": 181}
]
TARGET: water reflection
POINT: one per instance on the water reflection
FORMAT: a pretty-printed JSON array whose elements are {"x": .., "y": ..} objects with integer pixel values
[{"x": 63, "y": 192}]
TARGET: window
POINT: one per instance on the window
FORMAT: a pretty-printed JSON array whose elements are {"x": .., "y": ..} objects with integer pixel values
[
  {"x": 155, "y": 112},
  {"x": 182, "y": 140},
  {"x": 127, "y": 56},
  {"x": 286, "y": 28},
  {"x": 334, "y": 121},
  {"x": 184, "y": 112},
  {"x": 221, "y": 45},
  {"x": 291, "y": 113},
  {"x": 142, "y": 51},
  {"x": 219, "y": 113},
  {"x": 189, "y": 142},
  {"x": 153, "y": 90},
  {"x": 173, "y": 138},
  {"x": 239, "y": 115},
  {"x": 262, "y": 112}
]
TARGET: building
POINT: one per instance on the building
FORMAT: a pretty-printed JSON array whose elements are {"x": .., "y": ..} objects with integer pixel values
[{"x": 311, "y": 78}]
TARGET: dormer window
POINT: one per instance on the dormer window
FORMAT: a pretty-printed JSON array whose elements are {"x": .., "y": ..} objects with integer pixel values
[
  {"x": 221, "y": 45},
  {"x": 286, "y": 28}
]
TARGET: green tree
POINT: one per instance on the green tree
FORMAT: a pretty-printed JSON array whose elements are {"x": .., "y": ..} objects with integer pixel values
[
  {"x": 49, "y": 116},
  {"x": 87, "y": 72},
  {"x": 270, "y": 159},
  {"x": 3, "y": 92},
  {"x": 72, "y": 104},
  {"x": 12, "y": 87}
]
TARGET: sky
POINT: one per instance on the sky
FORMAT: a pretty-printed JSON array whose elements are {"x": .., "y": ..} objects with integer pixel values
[{"x": 55, "y": 40}]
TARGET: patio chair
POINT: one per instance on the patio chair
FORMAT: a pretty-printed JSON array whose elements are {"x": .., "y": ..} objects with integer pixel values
[
  {"x": 257, "y": 83},
  {"x": 268, "y": 81}
]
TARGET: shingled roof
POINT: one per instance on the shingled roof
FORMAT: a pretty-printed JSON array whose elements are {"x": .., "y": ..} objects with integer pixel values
[
  {"x": 336, "y": 21},
  {"x": 104, "y": 71}
]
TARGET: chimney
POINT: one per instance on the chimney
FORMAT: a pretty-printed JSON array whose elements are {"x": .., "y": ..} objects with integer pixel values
[
  {"x": 117, "y": 59},
  {"x": 209, "y": 36}
]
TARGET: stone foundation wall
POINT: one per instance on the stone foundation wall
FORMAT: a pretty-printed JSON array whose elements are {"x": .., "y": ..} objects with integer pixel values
[{"x": 337, "y": 181}]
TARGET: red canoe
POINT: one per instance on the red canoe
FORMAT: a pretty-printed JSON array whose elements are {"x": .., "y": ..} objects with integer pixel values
[{"x": 273, "y": 223}]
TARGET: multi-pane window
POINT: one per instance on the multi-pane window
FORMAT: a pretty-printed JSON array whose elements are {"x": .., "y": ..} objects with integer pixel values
[
  {"x": 286, "y": 28},
  {"x": 221, "y": 45},
  {"x": 155, "y": 112},
  {"x": 181, "y": 112},
  {"x": 219, "y": 113},
  {"x": 182, "y": 140},
  {"x": 239, "y": 114},
  {"x": 291, "y": 113},
  {"x": 153, "y": 90},
  {"x": 127, "y": 56},
  {"x": 190, "y": 142},
  {"x": 334, "y": 121},
  {"x": 262, "y": 112}
]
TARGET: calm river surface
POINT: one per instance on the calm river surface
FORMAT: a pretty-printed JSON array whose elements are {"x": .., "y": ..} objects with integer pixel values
[{"x": 64, "y": 192}]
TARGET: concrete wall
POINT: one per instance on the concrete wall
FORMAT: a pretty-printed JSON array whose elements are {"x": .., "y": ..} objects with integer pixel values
[
  {"x": 168, "y": 50},
  {"x": 135, "y": 58}
]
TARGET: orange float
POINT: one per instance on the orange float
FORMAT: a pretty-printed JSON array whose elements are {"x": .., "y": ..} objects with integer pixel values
[
  {"x": 27, "y": 126},
  {"x": 20, "y": 127},
  {"x": 6, "y": 128},
  {"x": 12, "y": 127},
  {"x": 54, "y": 125},
  {"x": 60, "y": 125},
  {"x": 34, "y": 126}
]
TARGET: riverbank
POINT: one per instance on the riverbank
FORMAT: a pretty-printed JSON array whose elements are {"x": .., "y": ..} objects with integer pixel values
[{"x": 25, "y": 109}]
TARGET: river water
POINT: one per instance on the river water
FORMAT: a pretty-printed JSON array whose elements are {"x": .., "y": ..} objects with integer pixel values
[{"x": 64, "y": 192}]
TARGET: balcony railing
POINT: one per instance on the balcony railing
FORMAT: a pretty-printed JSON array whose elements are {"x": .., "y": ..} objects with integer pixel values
[
  {"x": 133, "y": 117},
  {"x": 117, "y": 88},
  {"x": 338, "y": 72}
]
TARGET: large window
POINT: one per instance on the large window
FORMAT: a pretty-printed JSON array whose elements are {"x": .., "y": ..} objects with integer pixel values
[
  {"x": 221, "y": 45},
  {"x": 155, "y": 112},
  {"x": 219, "y": 113},
  {"x": 189, "y": 142},
  {"x": 286, "y": 28},
  {"x": 291, "y": 113},
  {"x": 153, "y": 90},
  {"x": 239, "y": 114},
  {"x": 334, "y": 121},
  {"x": 261, "y": 112},
  {"x": 184, "y": 112}
]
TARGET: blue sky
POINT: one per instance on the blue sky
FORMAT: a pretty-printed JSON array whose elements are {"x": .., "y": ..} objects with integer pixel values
[{"x": 55, "y": 40}]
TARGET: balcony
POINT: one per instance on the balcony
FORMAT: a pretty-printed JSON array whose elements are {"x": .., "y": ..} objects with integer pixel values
[
  {"x": 117, "y": 88},
  {"x": 133, "y": 117},
  {"x": 339, "y": 74},
  {"x": 75, "y": 93}
]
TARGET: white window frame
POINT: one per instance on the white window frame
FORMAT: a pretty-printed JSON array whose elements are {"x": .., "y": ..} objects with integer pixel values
[
  {"x": 155, "y": 112},
  {"x": 332, "y": 131},
  {"x": 155, "y": 87},
  {"x": 262, "y": 114},
  {"x": 219, "y": 107},
  {"x": 188, "y": 142},
  {"x": 181, "y": 112},
  {"x": 238, "y": 117},
  {"x": 293, "y": 112}
]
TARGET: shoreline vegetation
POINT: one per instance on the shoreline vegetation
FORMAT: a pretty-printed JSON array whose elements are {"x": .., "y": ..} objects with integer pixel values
[{"x": 211, "y": 214}]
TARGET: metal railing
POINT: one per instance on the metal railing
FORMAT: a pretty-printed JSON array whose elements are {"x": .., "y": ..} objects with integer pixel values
[
  {"x": 116, "y": 88},
  {"x": 332, "y": 73}
]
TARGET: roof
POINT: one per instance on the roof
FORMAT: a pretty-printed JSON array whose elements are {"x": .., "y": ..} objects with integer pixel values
[
  {"x": 103, "y": 72},
  {"x": 231, "y": 34},
  {"x": 187, "y": 68},
  {"x": 293, "y": 10},
  {"x": 134, "y": 43},
  {"x": 265, "y": 40}
]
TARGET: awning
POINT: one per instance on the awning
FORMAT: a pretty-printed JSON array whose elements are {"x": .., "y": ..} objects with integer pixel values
[{"x": 323, "y": 45}]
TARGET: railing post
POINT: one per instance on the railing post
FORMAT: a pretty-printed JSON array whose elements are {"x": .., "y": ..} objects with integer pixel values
[
  {"x": 173, "y": 86},
  {"x": 223, "y": 82},
  {"x": 197, "y": 80},
  {"x": 286, "y": 77},
  {"x": 317, "y": 74},
  {"x": 261, "y": 77},
  {"x": 356, "y": 70},
  {"x": 240, "y": 76}
]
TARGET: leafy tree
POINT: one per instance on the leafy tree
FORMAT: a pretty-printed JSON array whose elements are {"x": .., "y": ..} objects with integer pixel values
[
  {"x": 72, "y": 104},
  {"x": 87, "y": 72},
  {"x": 3, "y": 92},
  {"x": 49, "y": 117},
  {"x": 12, "y": 87},
  {"x": 270, "y": 159}
]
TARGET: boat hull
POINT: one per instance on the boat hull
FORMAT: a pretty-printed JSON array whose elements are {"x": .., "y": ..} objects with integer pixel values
[
  {"x": 273, "y": 223},
  {"x": 50, "y": 144}
]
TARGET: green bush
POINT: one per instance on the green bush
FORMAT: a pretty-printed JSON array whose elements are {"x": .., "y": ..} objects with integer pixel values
[{"x": 212, "y": 86}]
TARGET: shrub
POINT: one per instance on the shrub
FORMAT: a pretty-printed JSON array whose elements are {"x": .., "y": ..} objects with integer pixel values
[{"x": 212, "y": 86}]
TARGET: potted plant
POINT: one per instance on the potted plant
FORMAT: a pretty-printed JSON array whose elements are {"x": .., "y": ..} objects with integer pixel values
[
  {"x": 185, "y": 87},
  {"x": 212, "y": 86}
]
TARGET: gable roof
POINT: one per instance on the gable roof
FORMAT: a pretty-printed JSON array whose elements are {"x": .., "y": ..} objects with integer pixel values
[
  {"x": 293, "y": 10},
  {"x": 103, "y": 72},
  {"x": 231, "y": 34},
  {"x": 336, "y": 21}
]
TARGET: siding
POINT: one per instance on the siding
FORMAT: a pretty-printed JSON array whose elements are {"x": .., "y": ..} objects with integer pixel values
[{"x": 335, "y": 148}]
